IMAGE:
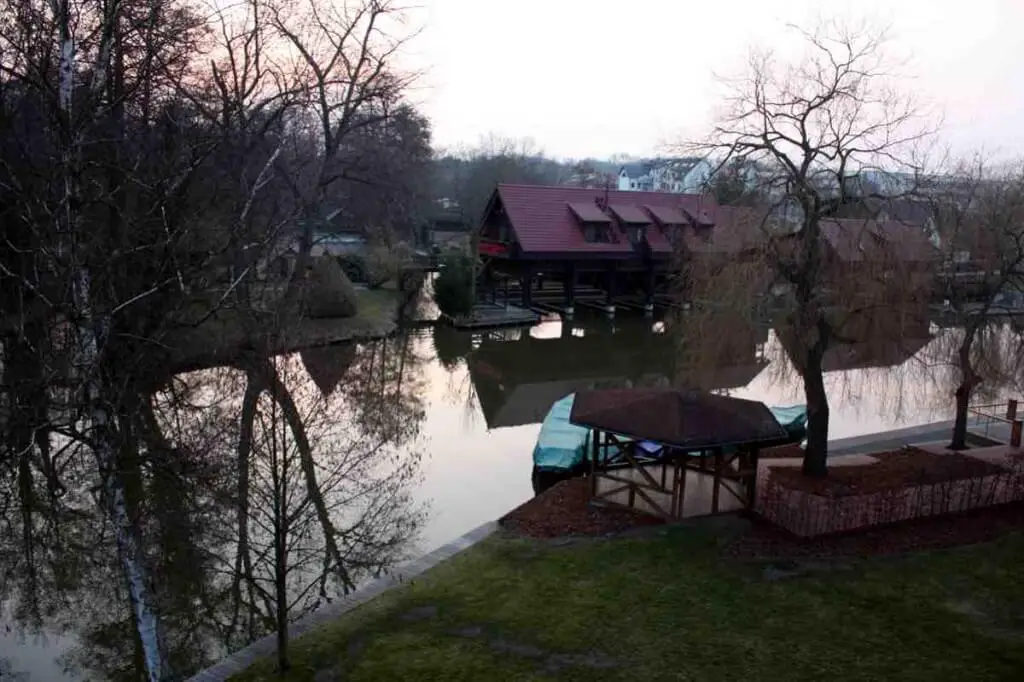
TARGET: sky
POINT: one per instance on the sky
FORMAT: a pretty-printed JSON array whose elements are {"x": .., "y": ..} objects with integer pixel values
[{"x": 592, "y": 78}]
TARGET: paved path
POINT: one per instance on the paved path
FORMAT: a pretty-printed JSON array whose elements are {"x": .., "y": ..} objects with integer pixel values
[{"x": 998, "y": 432}]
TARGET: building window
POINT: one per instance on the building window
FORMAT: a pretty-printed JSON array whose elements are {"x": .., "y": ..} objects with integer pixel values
[{"x": 594, "y": 233}]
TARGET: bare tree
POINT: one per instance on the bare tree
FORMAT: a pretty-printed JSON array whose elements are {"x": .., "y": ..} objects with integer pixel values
[
  {"x": 978, "y": 220},
  {"x": 810, "y": 125},
  {"x": 140, "y": 142}
]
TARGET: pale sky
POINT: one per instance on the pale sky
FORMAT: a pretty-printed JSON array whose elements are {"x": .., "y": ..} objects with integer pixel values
[{"x": 598, "y": 77}]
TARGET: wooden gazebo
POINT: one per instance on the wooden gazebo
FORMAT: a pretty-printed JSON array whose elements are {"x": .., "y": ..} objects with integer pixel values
[{"x": 648, "y": 445}]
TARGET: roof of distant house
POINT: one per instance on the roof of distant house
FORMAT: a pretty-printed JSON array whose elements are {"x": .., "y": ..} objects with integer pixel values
[
  {"x": 634, "y": 169},
  {"x": 546, "y": 218}
]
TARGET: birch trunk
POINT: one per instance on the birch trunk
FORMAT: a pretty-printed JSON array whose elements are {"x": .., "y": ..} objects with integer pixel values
[{"x": 90, "y": 332}]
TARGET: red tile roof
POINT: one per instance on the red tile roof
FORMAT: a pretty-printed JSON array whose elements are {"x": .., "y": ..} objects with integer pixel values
[
  {"x": 658, "y": 240},
  {"x": 667, "y": 215},
  {"x": 543, "y": 221},
  {"x": 588, "y": 212},
  {"x": 628, "y": 213}
]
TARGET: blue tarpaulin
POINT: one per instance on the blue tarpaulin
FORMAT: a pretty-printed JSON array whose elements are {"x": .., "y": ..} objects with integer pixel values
[{"x": 562, "y": 446}]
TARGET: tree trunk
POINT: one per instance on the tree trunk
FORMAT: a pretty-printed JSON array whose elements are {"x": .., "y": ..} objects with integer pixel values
[
  {"x": 969, "y": 380},
  {"x": 963, "y": 398},
  {"x": 816, "y": 454},
  {"x": 281, "y": 578},
  {"x": 253, "y": 388},
  {"x": 283, "y": 397}
]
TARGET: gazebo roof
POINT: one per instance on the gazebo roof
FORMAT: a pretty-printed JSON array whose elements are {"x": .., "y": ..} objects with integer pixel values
[{"x": 684, "y": 419}]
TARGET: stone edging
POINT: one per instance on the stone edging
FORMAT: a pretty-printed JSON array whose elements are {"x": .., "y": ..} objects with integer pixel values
[{"x": 266, "y": 646}]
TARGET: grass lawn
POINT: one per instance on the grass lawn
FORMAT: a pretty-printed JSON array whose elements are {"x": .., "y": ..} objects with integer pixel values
[
  {"x": 220, "y": 336},
  {"x": 668, "y": 607}
]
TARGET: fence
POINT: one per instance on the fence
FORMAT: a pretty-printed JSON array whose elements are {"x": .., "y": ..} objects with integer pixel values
[{"x": 985, "y": 417}]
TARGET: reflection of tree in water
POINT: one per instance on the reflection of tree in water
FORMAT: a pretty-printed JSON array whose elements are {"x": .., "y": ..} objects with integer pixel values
[
  {"x": 996, "y": 356},
  {"x": 451, "y": 346},
  {"x": 200, "y": 493}
]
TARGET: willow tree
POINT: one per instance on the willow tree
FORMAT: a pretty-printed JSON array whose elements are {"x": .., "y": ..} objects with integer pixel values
[
  {"x": 977, "y": 218},
  {"x": 807, "y": 125}
]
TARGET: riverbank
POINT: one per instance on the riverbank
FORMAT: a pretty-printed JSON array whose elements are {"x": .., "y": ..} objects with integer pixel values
[
  {"x": 672, "y": 603},
  {"x": 378, "y": 595},
  {"x": 228, "y": 333}
]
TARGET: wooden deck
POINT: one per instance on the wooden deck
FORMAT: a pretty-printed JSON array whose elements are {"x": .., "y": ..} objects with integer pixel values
[{"x": 489, "y": 316}]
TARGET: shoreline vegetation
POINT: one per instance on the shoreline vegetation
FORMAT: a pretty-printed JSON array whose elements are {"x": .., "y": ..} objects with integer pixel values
[{"x": 228, "y": 333}]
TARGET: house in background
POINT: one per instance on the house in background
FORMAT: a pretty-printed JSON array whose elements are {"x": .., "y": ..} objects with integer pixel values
[
  {"x": 448, "y": 227},
  {"x": 675, "y": 175}
]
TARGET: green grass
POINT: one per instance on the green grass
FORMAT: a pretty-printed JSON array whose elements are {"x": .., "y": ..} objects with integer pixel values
[
  {"x": 224, "y": 333},
  {"x": 669, "y": 608}
]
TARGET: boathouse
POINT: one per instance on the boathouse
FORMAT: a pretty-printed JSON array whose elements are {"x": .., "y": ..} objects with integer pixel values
[{"x": 615, "y": 245}]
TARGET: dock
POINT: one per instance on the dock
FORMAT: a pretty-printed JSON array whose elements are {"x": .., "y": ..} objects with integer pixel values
[{"x": 488, "y": 316}]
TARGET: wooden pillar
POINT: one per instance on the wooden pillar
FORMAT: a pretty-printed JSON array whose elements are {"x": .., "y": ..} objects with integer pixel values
[
  {"x": 1011, "y": 409},
  {"x": 717, "y": 480},
  {"x": 569, "y": 286},
  {"x": 1015, "y": 432},
  {"x": 752, "y": 487},
  {"x": 610, "y": 290},
  {"x": 526, "y": 282},
  {"x": 595, "y": 436},
  {"x": 649, "y": 290}
]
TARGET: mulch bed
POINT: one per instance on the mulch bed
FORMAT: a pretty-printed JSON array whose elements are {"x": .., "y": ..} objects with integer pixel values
[
  {"x": 794, "y": 450},
  {"x": 765, "y": 541},
  {"x": 894, "y": 469},
  {"x": 563, "y": 510}
]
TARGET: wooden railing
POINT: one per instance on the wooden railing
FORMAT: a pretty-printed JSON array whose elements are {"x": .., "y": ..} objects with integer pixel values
[{"x": 998, "y": 413}]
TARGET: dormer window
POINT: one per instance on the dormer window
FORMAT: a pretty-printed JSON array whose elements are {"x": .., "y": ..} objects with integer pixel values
[
  {"x": 596, "y": 233},
  {"x": 633, "y": 220},
  {"x": 594, "y": 223}
]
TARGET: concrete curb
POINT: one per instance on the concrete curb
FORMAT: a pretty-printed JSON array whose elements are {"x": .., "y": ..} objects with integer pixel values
[
  {"x": 266, "y": 646},
  {"x": 881, "y": 438}
]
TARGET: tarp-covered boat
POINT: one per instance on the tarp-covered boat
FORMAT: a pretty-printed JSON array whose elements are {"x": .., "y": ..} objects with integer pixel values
[{"x": 562, "y": 446}]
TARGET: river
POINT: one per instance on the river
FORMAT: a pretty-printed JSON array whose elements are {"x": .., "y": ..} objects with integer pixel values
[{"x": 427, "y": 435}]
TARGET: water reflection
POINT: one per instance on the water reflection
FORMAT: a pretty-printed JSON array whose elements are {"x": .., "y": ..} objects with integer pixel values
[
  {"x": 259, "y": 491},
  {"x": 354, "y": 442}
]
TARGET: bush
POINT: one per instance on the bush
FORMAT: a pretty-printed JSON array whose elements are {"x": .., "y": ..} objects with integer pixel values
[
  {"x": 382, "y": 264},
  {"x": 453, "y": 288},
  {"x": 352, "y": 265},
  {"x": 328, "y": 291}
]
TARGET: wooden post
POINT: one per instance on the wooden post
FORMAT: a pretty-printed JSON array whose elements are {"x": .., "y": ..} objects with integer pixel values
[
  {"x": 526, "y": 287},
  {"x": 1015, "y": 429},
  {"x": 569, "y": 286},
  {"x": 595, "y": 436},
  {"x": 752, "y": 487},
  {"x": 681, "y": 469},
  {"x": 1011, "y": 409},
  {"x": 716, "y": 479}
]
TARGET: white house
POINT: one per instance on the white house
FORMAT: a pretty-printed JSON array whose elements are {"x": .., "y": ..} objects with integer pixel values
[{"x": 679, "y": 175}]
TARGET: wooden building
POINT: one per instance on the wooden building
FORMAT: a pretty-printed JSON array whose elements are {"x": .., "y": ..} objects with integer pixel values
[{"x": 624, "y": 243}]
